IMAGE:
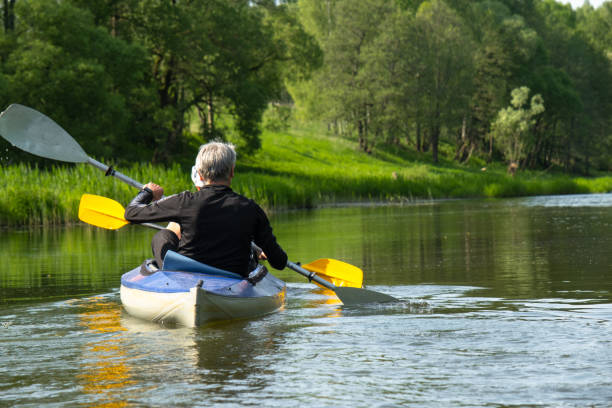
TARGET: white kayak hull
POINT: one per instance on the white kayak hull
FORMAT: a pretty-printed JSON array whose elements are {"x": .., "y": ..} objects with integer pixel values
[
  {"x": 192, "y": 299},
  {"x": 195, "y": 307}
]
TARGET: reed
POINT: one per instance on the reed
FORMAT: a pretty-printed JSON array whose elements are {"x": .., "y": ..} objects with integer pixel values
[
  {"x": 33, "y": 196},
  {"x": 292, "y": 170}
]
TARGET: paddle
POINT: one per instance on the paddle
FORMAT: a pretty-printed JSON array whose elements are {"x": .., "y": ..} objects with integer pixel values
[
  {"x": 104, "y": 212},
  {"x": 347, "y": 295},
  {"x": 333, "y": 271},
  {"x": 35, "y": 133},
  {"x": 107, "y": 213},
  {"x": 337, "y": 272}
]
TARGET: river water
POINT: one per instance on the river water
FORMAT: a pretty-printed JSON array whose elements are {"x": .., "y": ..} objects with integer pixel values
[{"x": 504, "y": 303}]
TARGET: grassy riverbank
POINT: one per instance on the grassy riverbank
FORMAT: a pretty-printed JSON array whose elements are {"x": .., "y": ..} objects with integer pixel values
[{"x": 299, "y": 169}]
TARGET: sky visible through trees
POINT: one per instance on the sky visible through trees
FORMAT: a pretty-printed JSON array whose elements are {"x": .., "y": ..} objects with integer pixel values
[{"x": 578, "y": 3}]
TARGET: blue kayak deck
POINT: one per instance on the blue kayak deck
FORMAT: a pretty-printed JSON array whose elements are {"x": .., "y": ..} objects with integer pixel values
[
  {"x": 180, "y": 274},
  {"x": 175, "y": 281}
]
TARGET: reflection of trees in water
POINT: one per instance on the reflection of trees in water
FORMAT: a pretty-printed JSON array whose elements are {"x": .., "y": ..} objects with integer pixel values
[
  {"x": 219, "y": 359},
  {"x": 64, "y": 262},
  {"x": 465, "y": 242},
  {"x": 512, "y": 249}
]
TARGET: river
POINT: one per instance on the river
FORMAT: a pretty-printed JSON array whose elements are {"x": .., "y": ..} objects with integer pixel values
[{"x": 504, "y": 303}]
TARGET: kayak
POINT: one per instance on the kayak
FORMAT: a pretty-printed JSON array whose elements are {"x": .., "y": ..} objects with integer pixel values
[{"x": 190, "y": 293}]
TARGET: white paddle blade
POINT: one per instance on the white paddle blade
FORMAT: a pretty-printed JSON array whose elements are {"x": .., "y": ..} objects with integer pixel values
[{"x": 35, "y": 133}]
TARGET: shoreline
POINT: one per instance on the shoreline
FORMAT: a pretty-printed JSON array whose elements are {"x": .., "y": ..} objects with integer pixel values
[
  {"x": 321, "y": 206},
  {"x": 316, "y": 171}
]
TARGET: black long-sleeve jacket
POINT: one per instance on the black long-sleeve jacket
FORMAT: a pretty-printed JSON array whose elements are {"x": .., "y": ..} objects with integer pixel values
[{"x": 217, "y": 226}]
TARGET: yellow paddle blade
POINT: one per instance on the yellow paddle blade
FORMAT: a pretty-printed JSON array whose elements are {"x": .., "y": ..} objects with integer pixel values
[
  {"x": 337, "y": 272},
  {"x": 101, "y": 212}
]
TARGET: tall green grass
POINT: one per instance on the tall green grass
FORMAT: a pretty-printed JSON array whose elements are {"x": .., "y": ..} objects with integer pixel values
[
  {"x": 292, "y": 170},
  {"x": 33, "y": 196}
]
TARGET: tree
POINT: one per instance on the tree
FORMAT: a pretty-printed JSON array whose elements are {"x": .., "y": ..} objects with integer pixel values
[
  {"x": 8, "y": 15},
  {"x": 222, "y": 59},
  {"x": 132, "y": 73},
  {"x": 503, "y": 47},
  {"x": 512, "y": 125},
  {"x": 444, "y": 51},
  {"x": 595, "y": 85},
  {"x": 345, "y": 29},
  {"x": 59, "y": 62},
  {"x": 575, "y": 79},
  {"x": 392, "y": 72}
]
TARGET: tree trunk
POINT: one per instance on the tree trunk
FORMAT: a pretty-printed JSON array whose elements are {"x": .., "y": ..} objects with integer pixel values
[
  {"x": 535, "y": 156},
  {"x": 206, "y": 114},
  {"x": 435, "y": 138},
  {"x": 466, "y": 146},
  {"x": 490, "y": 154},
  {"x": 419, "y": 146},
  {"x": 169, "y": 96},
  {"x": 210, "y": 115},
  {"x": 435, "y": 134},
  {"x": 8, "y": 15},
  {"x": 360, "y": 132},
  {"x": 568, "y": 147},
  {"x": 178, "y": 123}
]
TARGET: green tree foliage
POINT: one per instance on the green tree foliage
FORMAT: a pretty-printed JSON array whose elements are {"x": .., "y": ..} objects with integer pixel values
[
  {"x": 392, "y": 69},
  {"x": 513, "y": 124},
  {"x": 8, "y": 15},
  {"x": 133, "y": 74},
  {"x": 385, "y": 67},
  {"x": 56, "y": 60},
  {"x": 444, "y": 54},
  {"x": 575, "y": 80},
  {"x": 596, "y": 25},
  {"x": 504, "y": 46},
  {"x": 224, "y": 60},
  {"x": 134, "y": 79},
  {"x": 421, "y": 73},
  {"x": 342, "y": 91}
]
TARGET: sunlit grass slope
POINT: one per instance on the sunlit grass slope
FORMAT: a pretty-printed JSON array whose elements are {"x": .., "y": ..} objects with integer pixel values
[
  {"x": 297, "y": 169},
  {"x": 303, "y": 169}
]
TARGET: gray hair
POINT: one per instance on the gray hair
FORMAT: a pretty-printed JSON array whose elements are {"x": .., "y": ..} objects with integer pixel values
[{"x": 215, "y": 161}]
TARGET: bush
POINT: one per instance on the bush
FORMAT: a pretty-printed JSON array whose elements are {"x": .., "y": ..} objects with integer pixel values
[{"x": 277, "y": 118}]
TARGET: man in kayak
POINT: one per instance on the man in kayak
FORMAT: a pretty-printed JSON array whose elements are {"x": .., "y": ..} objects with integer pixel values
[{"x": 214, "y": 225}]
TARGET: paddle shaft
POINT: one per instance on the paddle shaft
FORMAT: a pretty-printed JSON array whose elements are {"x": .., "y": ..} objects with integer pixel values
[{"x": 109, "y": 171}]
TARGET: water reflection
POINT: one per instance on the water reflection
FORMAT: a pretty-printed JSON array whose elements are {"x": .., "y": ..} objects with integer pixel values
[
  {"x": 66, "y": 262},
  {"x": 514, "y": 248},
  {"x": 105, "y": 371},
  {"x": 233, "y": 356},
  {"x": 504, "y": 303},
  {"x": 216, "y": 361}
]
